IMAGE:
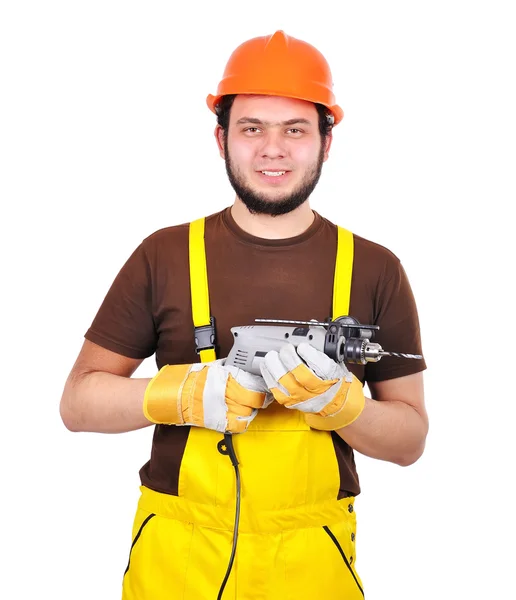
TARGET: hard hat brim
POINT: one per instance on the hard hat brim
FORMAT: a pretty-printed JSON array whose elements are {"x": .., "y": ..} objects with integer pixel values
[{"x": 337, "y": 111}]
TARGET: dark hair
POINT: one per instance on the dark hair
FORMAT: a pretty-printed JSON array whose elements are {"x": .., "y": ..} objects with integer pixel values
[{"x": 223, "y": 110}]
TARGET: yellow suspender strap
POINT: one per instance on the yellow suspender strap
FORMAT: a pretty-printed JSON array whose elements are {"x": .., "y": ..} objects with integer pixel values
[
  {"x": 343, "y": 273},
  {"x": 203, "y": 322}
]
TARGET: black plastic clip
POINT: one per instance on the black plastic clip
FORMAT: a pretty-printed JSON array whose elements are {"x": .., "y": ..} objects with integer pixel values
[
  {"x": 225, "y": 446},
  {"x": 205, "y": 336}
]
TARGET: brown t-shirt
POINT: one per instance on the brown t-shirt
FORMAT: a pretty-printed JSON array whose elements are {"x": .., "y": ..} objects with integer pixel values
[{"x": 147, "y": 310}]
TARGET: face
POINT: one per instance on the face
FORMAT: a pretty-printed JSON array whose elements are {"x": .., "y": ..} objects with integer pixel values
[{"x": 273, "y": 152}]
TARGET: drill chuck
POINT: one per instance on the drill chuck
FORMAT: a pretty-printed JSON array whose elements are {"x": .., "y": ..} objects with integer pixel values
[{"x": 359, "y": 351}]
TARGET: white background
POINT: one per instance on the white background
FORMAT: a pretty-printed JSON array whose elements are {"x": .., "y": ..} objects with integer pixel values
[{"x": 105, "y": 137}]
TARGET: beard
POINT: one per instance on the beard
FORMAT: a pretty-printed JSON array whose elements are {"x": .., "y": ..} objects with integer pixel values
[{"x": 259, "y": 203}]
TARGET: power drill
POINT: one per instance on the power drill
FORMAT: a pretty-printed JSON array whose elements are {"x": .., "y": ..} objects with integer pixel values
[{"x": 343, "y": 339}]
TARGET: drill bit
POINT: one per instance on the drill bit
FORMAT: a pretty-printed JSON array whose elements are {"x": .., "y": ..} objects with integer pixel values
[{"x": 400, "y": 355}]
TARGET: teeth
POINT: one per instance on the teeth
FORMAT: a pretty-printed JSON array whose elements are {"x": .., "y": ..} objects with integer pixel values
[{"x": 274, "y": 173}]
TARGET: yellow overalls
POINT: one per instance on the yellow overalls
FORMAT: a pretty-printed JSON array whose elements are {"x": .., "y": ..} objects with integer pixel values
[{"x": 295, "y": 540}]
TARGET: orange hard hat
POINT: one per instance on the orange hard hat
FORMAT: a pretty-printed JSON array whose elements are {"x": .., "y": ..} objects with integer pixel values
[{"x": 278, "y": 65}]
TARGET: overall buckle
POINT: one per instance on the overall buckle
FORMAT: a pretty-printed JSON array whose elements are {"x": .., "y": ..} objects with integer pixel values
[{"x": 205, "y": 336}]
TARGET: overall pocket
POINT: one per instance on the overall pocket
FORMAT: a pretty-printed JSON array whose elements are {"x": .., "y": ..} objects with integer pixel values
[
  {"x": 137, "y": 537},
  {"x": 347, "y": 548}
]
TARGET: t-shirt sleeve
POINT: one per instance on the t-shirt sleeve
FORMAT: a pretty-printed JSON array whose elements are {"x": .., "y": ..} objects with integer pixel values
[
  {"x": 397, "y": 317},
  {"x": 124, "y": 322}
]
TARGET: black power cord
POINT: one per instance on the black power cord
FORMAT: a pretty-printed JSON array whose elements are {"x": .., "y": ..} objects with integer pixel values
[{"x": 225, "y": 447}]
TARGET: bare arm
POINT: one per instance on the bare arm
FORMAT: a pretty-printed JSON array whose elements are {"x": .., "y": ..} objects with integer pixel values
[
  {"x": 99, "y": 394},
  {"x": 393, "y": 426}
]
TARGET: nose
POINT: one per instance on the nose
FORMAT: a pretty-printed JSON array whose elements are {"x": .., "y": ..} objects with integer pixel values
[{"x": 273, "y": 145}]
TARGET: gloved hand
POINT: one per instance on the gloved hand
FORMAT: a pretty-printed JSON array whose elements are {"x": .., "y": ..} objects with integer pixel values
[
  {"x": 210, "y": 395},
  {"x": 326, "y": 391}
]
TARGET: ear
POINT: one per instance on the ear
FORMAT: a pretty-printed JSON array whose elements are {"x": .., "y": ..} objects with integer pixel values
[
  {"x": 327, "y": 144},
  {"x": 219, "y": 137}
]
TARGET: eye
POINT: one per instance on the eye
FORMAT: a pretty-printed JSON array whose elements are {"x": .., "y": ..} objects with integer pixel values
[
  {"x": 294, "y": 131},
  {"x": 251, "y": 130}
]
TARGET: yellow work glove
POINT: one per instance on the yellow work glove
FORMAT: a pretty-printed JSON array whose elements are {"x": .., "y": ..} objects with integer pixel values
[
  {"x": 210, "y": 395},
  {"x": 326, "y": 391}
]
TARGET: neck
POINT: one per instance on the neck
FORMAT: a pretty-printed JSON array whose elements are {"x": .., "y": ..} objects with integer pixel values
[{"x": 273, "y": 227}]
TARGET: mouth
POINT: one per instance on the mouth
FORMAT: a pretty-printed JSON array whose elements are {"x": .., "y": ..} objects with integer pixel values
[{"x": 273, "y": 177}]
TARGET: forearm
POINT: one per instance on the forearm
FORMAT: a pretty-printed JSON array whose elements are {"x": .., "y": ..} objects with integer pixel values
[
  {"x": 104, "y": 403},
  {"x": 388, "y": 430}
]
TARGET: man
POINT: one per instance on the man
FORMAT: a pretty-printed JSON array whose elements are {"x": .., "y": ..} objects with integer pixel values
[{"x": 277, "y": 520}]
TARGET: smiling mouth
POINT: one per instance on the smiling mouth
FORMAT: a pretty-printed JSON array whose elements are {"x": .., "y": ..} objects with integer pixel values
[{"x": 273, "y": 178}]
